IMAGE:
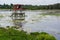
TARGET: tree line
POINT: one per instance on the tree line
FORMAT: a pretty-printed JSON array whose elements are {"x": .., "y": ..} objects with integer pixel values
[
  {"x": 32, "y": 7},
  {"x": 6, "y": 6}
]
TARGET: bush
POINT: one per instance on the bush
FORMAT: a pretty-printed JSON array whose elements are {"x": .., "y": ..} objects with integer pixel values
[{"x": 13, "y": 34}]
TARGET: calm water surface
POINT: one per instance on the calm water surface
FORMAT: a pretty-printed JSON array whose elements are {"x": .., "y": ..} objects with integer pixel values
[{"x": 35, "y": 22}]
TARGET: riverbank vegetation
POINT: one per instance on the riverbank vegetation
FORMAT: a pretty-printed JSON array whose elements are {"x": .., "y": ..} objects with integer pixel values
[
  {"x": 13, "y": 34},
  {"x": 32, "y": 7}
]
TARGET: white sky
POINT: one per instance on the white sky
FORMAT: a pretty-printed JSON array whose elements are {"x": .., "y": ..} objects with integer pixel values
[{"x": 33, "y": 2}]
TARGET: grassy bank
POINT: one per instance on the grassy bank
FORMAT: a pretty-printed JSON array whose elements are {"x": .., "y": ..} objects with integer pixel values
[{"x": 13, "y": 34}]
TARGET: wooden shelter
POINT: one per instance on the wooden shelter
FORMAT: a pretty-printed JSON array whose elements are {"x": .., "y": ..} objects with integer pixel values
[{"x": 18, "y": 16}]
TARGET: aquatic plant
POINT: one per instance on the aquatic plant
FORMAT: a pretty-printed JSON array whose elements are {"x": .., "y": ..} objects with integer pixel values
[
  {"x": 53, "y": 14},
  {"x": 1, "y": 16}
]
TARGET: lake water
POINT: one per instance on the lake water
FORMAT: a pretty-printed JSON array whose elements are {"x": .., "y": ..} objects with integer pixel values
[{"x": 35, "y": 22}]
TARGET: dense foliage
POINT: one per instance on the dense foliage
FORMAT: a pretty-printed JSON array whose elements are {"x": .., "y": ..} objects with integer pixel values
[
  {"x": 13, "y": 34},
  {"x": 32, "y": 7}
]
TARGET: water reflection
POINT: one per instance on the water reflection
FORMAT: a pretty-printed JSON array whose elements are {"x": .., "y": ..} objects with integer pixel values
[{"x": 18, "y": 18}]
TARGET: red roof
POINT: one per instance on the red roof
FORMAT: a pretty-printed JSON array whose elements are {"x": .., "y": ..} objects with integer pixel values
[{"x": 17, "y": 7}]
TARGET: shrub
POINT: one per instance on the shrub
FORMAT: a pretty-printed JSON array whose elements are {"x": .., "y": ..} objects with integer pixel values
[{"x": 13, "y": 34}]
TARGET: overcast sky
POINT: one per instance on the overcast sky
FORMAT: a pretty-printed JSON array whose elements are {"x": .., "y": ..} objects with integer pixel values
[{"x": 33, "y": 2}]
